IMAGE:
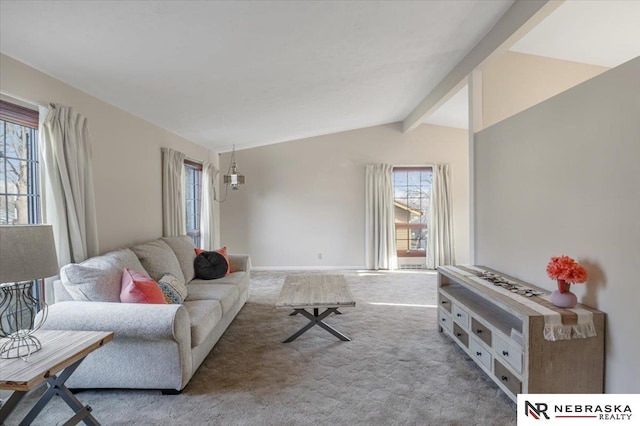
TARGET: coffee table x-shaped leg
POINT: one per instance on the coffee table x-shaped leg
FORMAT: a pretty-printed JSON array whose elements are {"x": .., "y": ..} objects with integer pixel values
[{"x": 317, "y": 319}]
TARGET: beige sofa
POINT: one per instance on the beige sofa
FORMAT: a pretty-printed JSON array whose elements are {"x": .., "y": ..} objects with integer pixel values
[{"x": 154, "y": 346}]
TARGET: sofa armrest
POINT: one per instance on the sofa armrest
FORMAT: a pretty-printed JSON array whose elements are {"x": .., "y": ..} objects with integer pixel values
[
  {"x": 239, "y": 262},
  {"x": 134, "y": 320}
]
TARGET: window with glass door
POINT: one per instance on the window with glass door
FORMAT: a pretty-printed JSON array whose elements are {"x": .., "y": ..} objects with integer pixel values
[
  {"x": 193, "y": 197},
  {"x": 412, "y": 198}
]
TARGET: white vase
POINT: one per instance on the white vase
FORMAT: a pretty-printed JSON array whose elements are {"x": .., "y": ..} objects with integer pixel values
[{"x": 564, "y": 300}]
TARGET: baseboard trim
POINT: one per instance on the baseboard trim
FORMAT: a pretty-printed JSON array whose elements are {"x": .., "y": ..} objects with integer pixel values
[{"x": 307, "y": 268}]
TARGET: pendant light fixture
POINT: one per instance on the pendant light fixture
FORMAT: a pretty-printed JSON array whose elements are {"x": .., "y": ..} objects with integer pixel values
[{"x": 233, "y": 178}]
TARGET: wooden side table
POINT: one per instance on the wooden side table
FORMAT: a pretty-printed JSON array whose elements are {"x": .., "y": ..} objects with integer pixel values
[{"x": 62, "y": 352}]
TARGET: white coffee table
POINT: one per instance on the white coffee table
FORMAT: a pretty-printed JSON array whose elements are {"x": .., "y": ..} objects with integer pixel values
[{"x": 306, "y": 291}]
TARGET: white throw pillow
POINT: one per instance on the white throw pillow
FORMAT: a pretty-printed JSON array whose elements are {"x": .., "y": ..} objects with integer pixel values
[{"x": 174, "y": 290}]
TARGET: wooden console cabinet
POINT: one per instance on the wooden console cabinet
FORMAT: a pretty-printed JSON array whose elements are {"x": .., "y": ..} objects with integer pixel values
[{"x": 506, "y": 340}]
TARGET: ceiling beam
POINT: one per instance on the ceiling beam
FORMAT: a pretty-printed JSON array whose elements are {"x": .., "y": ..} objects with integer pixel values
[{"x": 518, "y": 20}]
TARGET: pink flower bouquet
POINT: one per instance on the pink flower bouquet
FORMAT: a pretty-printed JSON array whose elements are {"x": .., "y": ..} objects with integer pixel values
[{"x": 567, "y": 271}]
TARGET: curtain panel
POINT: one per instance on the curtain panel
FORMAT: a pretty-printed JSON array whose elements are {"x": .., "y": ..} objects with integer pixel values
[
  {"x": 173, "y": 215},
  {"x": 209, "y": 218},
  {"x": 440, "y": 248},
  {"x": 380, "y": 233},
  {"x": 67, "y": 182}
]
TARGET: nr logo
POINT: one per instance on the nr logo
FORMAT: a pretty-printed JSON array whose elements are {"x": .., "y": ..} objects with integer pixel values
[{"x": 536, "y": 410}]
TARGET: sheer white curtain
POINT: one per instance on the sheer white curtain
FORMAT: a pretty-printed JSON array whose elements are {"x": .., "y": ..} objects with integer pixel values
[
  {"x": 440, "y": 249},
  {"x": 173, "y": 216},
  {"x": 67, "y": 182},
  {"x": 209, "y": 218},
  {"x": 380, "y": 234}
]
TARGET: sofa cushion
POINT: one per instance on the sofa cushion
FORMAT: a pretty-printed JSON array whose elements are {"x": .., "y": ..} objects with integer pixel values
[
  {"x": 60, "y": 292},
  {"x": 238, "y": 279},
  {"x": 139, "y": 288},
  {"x": 99, "y": 278},
  {"x": 183, "y": 247},
  {"x": 204, "y": 315},
  {"x": 158, "y": 259},
  {"x": 210, "y": 265},
  {"x": 174, "y": 290},
  {"x": 226, "y": 294}
]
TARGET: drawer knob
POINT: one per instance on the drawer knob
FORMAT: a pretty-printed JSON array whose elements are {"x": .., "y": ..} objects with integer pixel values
[
  {"x": 444, "y": 302},
  {"x": 504, "y": 378},
  {"x": 458, "y": 315},
  {"x": 479, "y": 353},
  {"x": 444, "y": 320},
  {"x": 479, "y": 331},
  {"x": 505, "y": 353},
  {"x": 459, "y": 334}
]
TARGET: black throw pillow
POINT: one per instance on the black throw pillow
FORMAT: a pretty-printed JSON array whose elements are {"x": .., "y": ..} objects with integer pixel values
[{"x": 210, "y": 265}]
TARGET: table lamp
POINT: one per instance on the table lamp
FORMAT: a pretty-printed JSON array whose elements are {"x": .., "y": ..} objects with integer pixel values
[{"x": 27, "y": 253}]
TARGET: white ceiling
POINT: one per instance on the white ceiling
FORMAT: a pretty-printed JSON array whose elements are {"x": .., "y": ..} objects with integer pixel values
[
  {"x": 454, "y": 112},
  {"x": 605, "y": 33},
  {"x": 249, "y": 73}
]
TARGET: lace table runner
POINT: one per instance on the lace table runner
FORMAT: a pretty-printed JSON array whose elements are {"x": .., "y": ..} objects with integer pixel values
[{"x": 559, "y": 323}]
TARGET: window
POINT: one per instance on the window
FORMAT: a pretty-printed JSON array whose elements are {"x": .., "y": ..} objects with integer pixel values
[
  {"x": 20, "y": 173},
  {"x": 193, "y": 195},
  {"x": 19, "y": 169},
  {"x": 412, "y": 197}
]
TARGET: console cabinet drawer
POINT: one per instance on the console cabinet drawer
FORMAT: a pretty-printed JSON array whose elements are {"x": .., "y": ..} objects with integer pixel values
[
  {"x": 508, "y": 352},
  {"x": 460, "y": 316},
  {"x": 445, "y": 320},
  {"x": 507, "y": 378},
  {"x": 460, "y": 334},
  {"x": 445, "y": 302},
  {"x": 482, "y": 332},
  {"x": 480, "y": 353}
]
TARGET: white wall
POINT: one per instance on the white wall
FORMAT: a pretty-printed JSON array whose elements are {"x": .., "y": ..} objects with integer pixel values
[
  {"x": 563, "y": 177},
  {"x": 306, "y": 197},
  {"x": 126, "y": 155},
  {"x": 513, "y": 82}
]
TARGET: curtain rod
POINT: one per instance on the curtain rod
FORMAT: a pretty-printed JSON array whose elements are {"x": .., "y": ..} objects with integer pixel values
[
  {"x": 21, "y": 101},
  {"x": 415, "y": 165},
  {"x": 187, "y": 157}
]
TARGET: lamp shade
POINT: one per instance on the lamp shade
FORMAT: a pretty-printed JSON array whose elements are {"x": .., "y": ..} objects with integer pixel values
[{"x": 27, "y": 252}]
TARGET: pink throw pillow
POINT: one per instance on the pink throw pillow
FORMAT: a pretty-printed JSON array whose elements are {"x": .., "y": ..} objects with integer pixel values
[
  {"x": 138, "y": 288},
  {"x": 223, "y": 252}
]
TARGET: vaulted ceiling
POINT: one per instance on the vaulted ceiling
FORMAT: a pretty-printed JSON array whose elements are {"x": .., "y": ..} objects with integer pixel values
[
  {"x": 595, "y": 32},
  {"x": 254, "y": 73},
  {"x": 249, "y": 73}
]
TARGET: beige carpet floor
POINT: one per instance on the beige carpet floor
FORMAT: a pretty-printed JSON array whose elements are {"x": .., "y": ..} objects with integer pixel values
[{"x": 398, "y": 370}]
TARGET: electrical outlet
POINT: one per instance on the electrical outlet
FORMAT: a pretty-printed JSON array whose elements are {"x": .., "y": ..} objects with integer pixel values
[{"x": 320, "y": 256}]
